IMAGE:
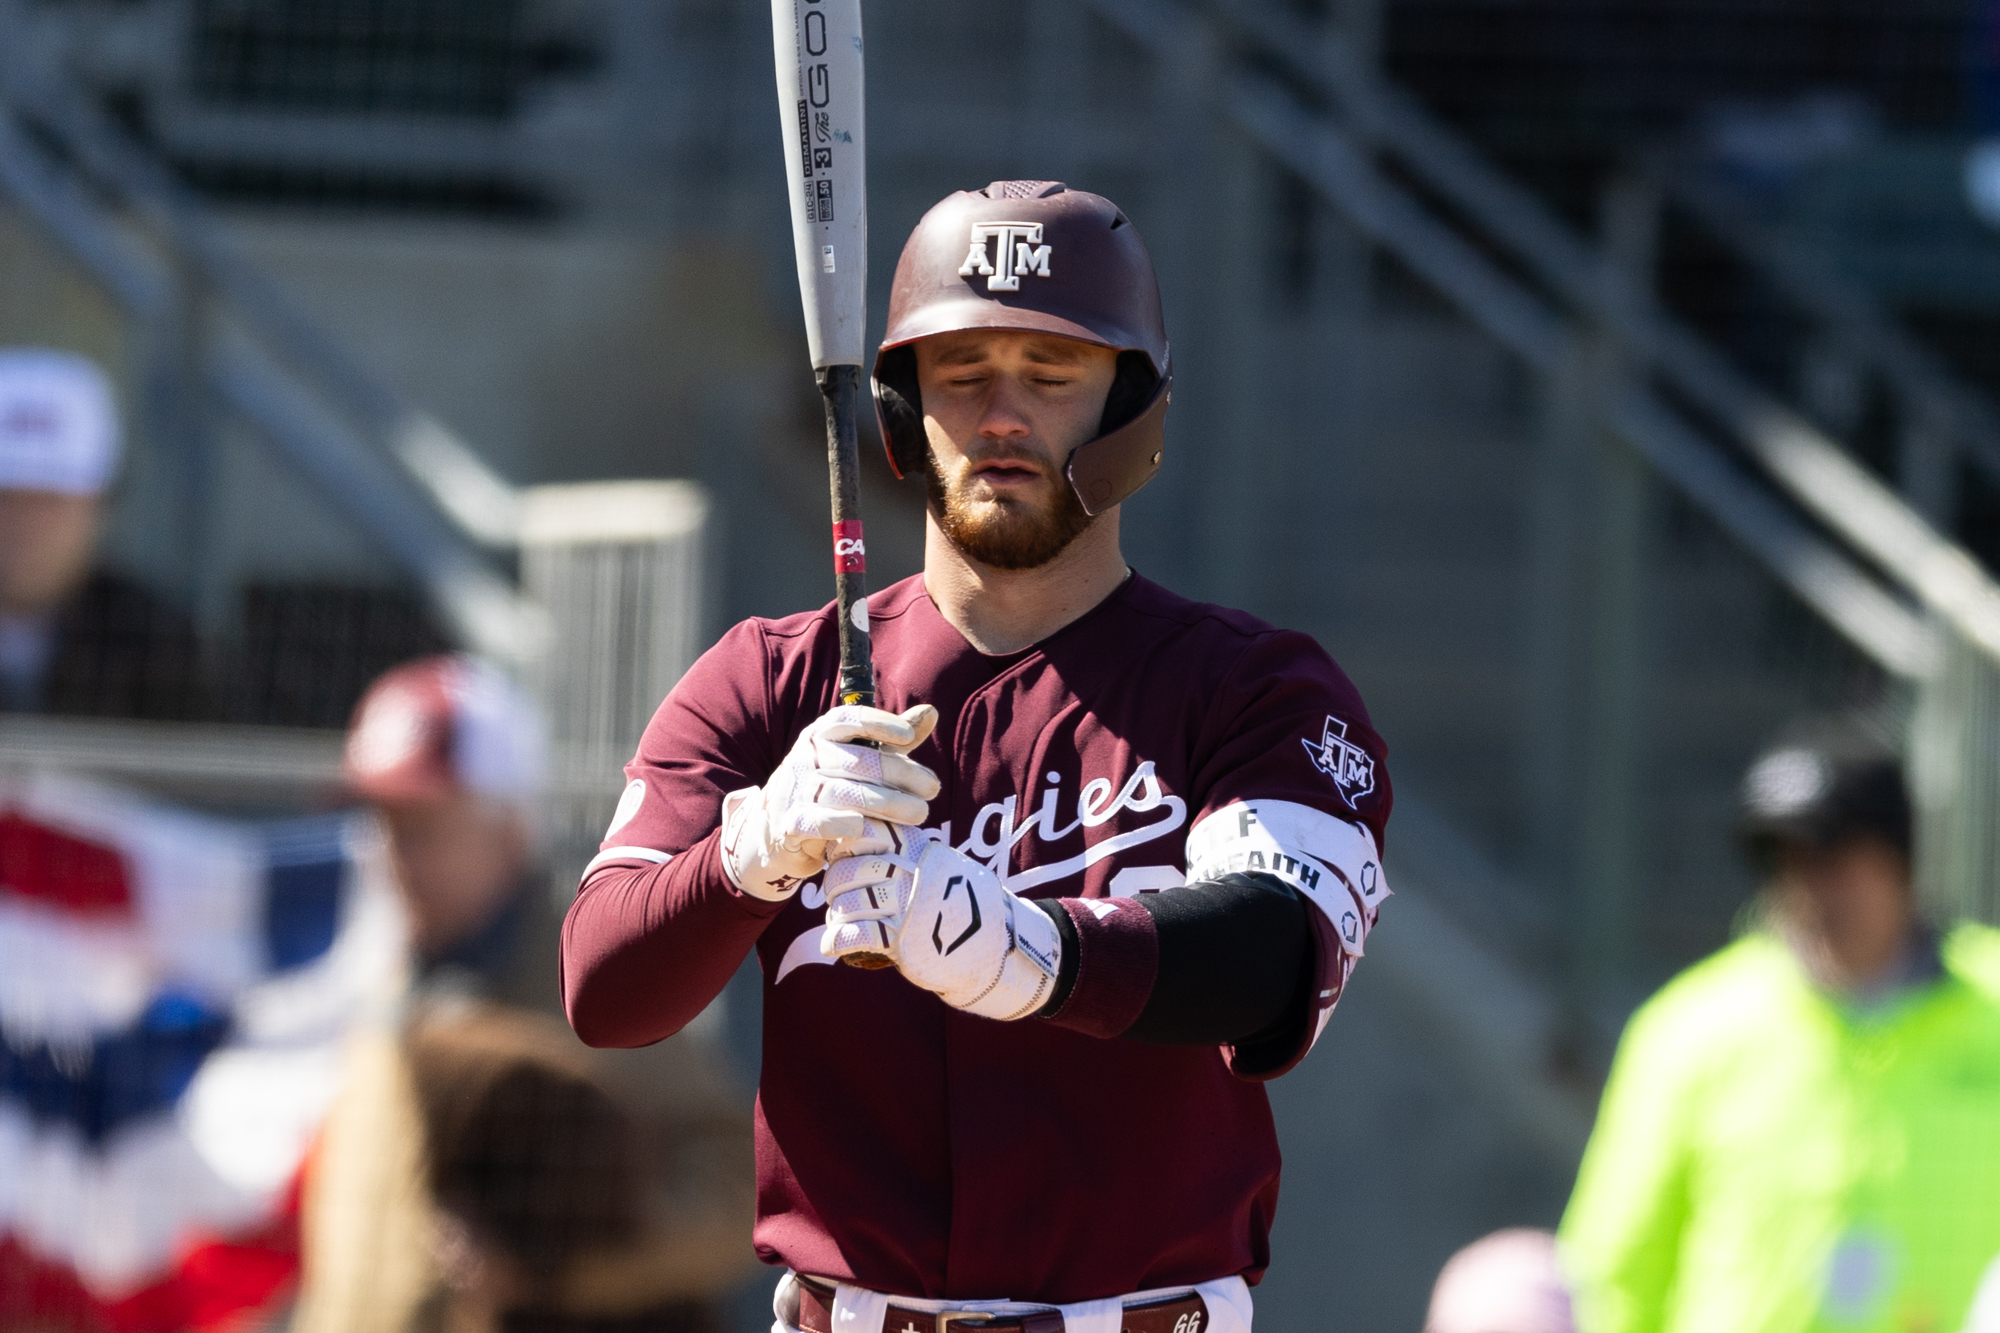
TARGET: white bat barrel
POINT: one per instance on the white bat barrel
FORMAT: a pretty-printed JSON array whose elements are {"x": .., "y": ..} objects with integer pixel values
[{"x": 817, "y": 44}]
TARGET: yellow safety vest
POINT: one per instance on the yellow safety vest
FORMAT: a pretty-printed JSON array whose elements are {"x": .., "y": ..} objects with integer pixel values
[{"x": 1765, "y": 1162}]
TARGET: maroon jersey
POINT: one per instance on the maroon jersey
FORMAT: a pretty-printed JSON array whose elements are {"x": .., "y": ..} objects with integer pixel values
[{"x": 913, "y": 1149}]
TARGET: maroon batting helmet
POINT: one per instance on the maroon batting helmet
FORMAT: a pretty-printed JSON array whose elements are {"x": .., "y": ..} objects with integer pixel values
[{"x": 1040, "y": 257}]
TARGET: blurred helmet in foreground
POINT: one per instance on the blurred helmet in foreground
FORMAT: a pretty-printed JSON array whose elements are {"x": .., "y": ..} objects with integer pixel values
[
  {"x": 1508, "y": 1282},
  {"x": 1984, "y": 1316},
  {"x": 443, "y": 725},
  {"x": 58, "y": 423},
  {"x": 1818, "y": 791},
  {"x": 1034, "y": 257}
]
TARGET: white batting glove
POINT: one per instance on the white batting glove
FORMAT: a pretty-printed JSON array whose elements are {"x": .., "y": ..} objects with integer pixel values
[
  {"x": 775, "y": 837},
  {"x": 945, "y": 921}
]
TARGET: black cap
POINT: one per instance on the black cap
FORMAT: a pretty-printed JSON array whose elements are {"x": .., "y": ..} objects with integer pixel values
[{"x": 1820, "y": 792}]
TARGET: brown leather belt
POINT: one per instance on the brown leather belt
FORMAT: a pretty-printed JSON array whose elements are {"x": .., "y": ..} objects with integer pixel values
[{"x": 1178, "y": 1314}]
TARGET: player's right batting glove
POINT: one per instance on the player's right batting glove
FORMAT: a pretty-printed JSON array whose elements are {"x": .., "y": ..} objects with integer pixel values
[
  {"x": 945, "y": 920},
  {"x": 775, "y": 837}
]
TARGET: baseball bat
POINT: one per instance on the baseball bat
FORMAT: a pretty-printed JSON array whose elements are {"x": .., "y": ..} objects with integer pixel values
[{"x": 821, "y": 112}]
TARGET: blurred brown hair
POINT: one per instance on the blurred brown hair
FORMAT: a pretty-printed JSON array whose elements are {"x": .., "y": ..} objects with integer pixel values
[{"x": 524, "y": 1146}]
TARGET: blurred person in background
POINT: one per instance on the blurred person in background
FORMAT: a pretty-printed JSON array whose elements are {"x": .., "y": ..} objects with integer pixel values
[
  {"x": 1508, "y": 1282},
  {"x": 1803, "y": 1131},
  {"x": 75, "y": 640},
  {"x": 481, "y": 1170},
  {"x": 452, "y": 758}
]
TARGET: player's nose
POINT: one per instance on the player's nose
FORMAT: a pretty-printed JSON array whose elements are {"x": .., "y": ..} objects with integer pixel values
[
  {"x": 1005, "y": 415},
  {"x": 1001, "y": 421}
]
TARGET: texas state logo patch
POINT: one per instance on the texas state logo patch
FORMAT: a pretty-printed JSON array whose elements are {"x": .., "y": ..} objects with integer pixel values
[{"x": 1351, "y": 767}]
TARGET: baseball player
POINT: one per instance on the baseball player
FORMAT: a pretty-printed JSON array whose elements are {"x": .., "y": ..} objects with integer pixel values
[{"x": 1121, "y": 849}]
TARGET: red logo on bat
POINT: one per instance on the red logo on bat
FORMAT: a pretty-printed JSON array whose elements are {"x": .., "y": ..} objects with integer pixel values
[{"x": 850, "y": 553}]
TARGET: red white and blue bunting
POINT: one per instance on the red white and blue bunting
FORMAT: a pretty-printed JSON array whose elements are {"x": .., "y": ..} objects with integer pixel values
[{"x": 174, "y": 993}]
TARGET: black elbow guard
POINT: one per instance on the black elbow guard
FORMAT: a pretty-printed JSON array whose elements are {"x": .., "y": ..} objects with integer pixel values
[{"x": 1236, "y": 957}]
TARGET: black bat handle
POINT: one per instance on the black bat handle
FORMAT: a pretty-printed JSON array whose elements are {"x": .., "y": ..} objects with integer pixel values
[{"x": 841, "y": 387}]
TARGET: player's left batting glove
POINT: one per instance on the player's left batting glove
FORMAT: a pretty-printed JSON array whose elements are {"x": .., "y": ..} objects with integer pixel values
[
  {"x": 827, "y": 788},
  {"x": 945, "y": 921}
]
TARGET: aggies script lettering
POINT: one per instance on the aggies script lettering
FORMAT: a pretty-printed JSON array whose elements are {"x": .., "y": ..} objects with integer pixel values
[{"x": 994, "y": 834}]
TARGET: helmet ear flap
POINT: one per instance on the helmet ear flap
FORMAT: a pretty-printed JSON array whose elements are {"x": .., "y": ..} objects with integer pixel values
[
  {"x": 899, "y": 410},
  {"x": 1132, "y": 391},
  {"x": 1107, "y": 470}
]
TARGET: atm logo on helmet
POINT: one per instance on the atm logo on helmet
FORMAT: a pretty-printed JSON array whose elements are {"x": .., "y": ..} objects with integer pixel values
[{"x": 1018, "y": 250}]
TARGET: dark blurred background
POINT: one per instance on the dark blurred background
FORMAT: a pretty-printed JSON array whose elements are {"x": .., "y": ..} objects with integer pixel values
[{"x": 1603, "y": 382}]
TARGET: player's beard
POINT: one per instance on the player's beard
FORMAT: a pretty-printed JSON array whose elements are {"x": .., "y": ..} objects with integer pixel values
[{"x": 1004, "y": 533}]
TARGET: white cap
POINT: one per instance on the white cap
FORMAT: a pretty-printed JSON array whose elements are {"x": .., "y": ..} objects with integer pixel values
[
  {"x": 58, "y": 423},
  {"x": 1508, "y": 1282}
]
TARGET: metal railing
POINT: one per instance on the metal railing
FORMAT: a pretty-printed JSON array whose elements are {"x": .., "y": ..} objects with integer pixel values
[
  {"x": 1939, "y": 426},
  {"x": 413, "y": 486},
  {"x": 1942, "y": 419},
  {"x": 621, "y": 567},
  {"x": 265, "y": 766},
  {"x": 1812, "y": 470}
]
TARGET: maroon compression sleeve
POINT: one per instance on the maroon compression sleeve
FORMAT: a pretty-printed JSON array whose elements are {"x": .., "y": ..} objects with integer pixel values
[
  {"x": 645, "y": 948},
  {"x": 1117, "y": 951}
]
